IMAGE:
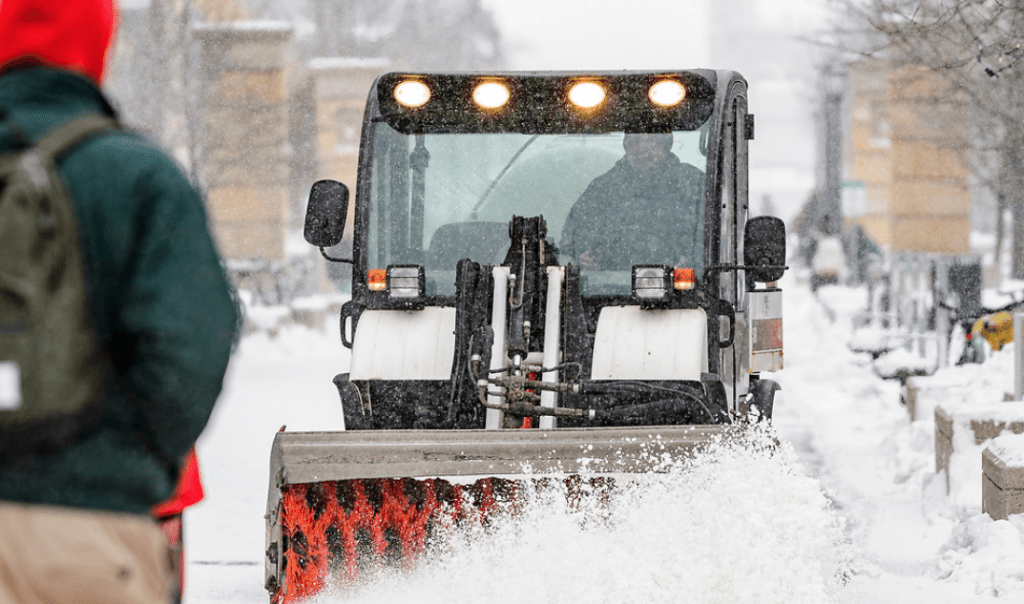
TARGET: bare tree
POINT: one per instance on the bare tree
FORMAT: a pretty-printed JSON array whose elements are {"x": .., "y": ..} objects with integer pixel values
[{"x": 975, "y": 46}]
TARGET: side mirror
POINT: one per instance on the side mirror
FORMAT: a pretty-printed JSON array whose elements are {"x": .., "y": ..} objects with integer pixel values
[
  {"x": 326, "y": 213},
  {"x": 764, "y": 248}
]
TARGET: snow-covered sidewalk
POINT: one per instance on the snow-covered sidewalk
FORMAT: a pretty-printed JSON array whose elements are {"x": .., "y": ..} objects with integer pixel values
[{"x": 910, "y": 541}]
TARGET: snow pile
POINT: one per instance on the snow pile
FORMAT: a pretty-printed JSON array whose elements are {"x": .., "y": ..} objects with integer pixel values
[
  {"x": 738, "y": 522},
  {"x": 966, "y": 393},
  {"x": 988, "y": 553},
  {"x": 900, "y": 360},
  {"x": 870, "y": 339},
  {"x": 959, "y": 385}
]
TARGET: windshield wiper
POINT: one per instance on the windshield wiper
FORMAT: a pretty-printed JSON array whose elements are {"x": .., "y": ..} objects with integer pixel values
[{"x": 497, "y": 179}]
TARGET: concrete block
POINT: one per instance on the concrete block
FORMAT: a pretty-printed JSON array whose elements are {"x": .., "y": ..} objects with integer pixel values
[
  {"x": 909, "y": 398},
  {"x": 959, "y": 429},
  {"x": 1002, "y": 485},
  {"x": 943, "y": 441}
]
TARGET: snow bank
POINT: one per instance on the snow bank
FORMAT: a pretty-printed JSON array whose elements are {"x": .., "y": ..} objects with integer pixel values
[
  {"x": 316, "y": 311},
  {"x": 903, "y": 360},
  {"x": 975, "y": 552},
  {"x": 988, "y": 553},
  {"x": 957, "y": 386}
]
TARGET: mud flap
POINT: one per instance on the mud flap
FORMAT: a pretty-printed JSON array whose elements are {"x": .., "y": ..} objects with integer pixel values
[{"x": 763, "y": 397}]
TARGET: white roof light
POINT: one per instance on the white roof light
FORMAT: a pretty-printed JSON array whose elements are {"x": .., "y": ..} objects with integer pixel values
[
  {"x": 667, "y": 93},
  {"x": 491, "y": 95},
  {"x": 412, "y": 93},
  {"x": 586, "y": 95}
]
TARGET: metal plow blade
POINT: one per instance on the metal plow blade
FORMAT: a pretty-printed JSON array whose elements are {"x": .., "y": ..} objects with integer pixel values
[{"x": 344, "y": 503}]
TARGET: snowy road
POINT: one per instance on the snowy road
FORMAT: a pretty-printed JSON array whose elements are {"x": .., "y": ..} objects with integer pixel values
[{"x": 764, "y": 521}]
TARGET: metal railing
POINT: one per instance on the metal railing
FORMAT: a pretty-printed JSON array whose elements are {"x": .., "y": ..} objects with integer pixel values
[{"x": 924, "y": 293}]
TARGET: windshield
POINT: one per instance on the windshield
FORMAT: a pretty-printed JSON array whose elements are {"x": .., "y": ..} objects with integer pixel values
[{"x": 610, "y": 200}]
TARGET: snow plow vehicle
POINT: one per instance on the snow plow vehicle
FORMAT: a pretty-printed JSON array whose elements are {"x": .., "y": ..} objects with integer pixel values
[{"x": 549, "y": 269}]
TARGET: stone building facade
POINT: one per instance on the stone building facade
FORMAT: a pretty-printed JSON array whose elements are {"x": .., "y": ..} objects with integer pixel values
[
  {"x": 909, "y": 150},
  {"x": 252, "y": 124},
  {"x": 244, "y": 156}
]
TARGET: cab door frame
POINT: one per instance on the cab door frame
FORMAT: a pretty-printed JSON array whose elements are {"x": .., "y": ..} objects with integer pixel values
[{"x": 727, "y": 219}]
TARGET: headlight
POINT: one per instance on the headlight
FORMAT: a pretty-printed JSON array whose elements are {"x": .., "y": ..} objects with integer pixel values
[
  {"x": 651, "y": 282},
  {"x": 491, "y": 95},
  {"x": 406, "y": 281},
  {"x": 586, "y": 95},
  {"x": 412, "y": 93},
  {"x": 667, "y": 93}
]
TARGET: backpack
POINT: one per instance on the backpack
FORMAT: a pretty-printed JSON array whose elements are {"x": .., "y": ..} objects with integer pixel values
[{"x": 53, "y": 370}]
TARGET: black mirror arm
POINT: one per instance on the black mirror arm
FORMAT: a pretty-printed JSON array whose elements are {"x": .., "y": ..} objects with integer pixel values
[
  {"x": 323, "y": 253},
  {"x": 708, "y": 272}
]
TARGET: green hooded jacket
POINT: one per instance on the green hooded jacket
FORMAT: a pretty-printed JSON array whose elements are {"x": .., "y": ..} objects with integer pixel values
[{"x": 160, "y": 301}]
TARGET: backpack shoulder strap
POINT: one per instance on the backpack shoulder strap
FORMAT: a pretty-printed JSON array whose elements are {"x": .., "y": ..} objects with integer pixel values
[{"x": 66, "y": 135}]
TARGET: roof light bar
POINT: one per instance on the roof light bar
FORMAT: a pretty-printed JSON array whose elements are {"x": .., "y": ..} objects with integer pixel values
[
  {"x": 491, "y": 95},
  {"x": 667, "y": 93},
  {"x": 587, "y": 94},
  {"x": 412, "y": 93}
]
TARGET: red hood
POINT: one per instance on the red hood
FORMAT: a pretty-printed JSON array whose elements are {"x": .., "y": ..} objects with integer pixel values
[{"x": 69, "y": 34}]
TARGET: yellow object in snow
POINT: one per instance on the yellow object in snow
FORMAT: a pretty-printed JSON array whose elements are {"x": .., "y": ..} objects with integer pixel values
[{"x": 997, "y": 329}]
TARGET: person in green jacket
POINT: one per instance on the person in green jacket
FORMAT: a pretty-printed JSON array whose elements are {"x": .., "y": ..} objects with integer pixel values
[{"x": 75, "y": 524}]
